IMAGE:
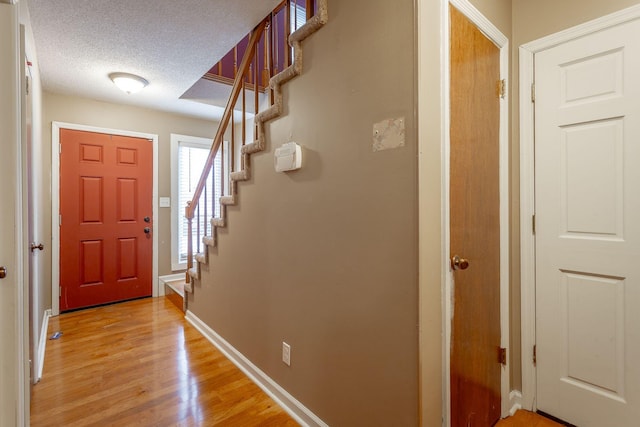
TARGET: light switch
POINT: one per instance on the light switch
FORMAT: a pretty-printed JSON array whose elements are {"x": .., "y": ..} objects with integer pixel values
[{"x": 165, "y": 202}]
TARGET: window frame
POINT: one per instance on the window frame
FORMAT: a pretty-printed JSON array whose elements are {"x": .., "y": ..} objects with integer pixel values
[{"x": 177, "y": 212}]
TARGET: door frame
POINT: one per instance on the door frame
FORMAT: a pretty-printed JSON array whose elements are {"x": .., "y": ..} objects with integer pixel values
[
  {"x": 55, "y": 203},
  {"x": 502, "y": 42},
  {"x": 527, "y": 183}
]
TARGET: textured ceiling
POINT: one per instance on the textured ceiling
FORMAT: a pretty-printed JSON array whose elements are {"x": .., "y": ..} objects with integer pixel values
[{"x": 170, "y": 43}]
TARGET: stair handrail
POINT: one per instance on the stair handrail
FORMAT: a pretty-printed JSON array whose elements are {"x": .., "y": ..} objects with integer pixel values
[{"x": 237, "y": 87}]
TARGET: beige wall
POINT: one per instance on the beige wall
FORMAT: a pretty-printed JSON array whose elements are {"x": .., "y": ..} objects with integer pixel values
[
  {"x": 496, "y": 11},
  {"x": 325, "y": 258},
  {"x": 89, "y": 112},
  {"x": 9, "y": 211},
  {"x": 535, "y": 19}
]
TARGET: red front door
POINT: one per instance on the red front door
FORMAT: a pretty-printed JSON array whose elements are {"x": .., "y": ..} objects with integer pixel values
[{"x": 106, "y": 209}]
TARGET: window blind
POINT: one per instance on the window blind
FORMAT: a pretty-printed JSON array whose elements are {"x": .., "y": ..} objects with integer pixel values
[{"x": 191, "y": 161}]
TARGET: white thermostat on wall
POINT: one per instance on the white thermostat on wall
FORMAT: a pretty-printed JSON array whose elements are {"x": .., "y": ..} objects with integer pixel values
[{"x": 288, "y": 157}]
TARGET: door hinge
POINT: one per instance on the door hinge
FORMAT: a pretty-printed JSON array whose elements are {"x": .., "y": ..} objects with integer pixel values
[
  {"x": 27, "y": 84},
  {"x": 533, "y": 92},
  {"x": 502, "y": 356},
  {"x": 60, "y": 148},
  {"x": 535, "y": 357},
  {"x": 533, "y": 224},
  {"x": 60, "y": 292},
  {"x": 502, "y": 88},
  {"x": 60, "y": 220}
]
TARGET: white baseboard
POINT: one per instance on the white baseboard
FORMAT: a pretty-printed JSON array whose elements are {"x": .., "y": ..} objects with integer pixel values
[
  {"x": 42, "y": 344},
  {"x": 296, "y": 409},
  {"x": 515, "y": 401}
]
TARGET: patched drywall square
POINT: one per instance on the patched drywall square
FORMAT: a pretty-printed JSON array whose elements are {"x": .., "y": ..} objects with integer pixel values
[{"x": 388, "y": 134}]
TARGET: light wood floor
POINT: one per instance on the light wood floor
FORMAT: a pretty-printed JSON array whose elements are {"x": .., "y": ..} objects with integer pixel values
[
  {"x": 527, "y": 419},
  {"x": 140, "y": 364}
]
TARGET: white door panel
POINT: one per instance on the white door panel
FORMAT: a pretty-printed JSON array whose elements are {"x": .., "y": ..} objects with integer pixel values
[{"x": 588, "y": 228}]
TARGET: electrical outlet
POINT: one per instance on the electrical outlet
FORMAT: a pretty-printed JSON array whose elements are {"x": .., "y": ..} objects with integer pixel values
[{"x": 286, "y": 353}]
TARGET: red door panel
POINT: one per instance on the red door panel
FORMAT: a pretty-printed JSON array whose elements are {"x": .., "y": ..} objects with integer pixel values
[{"x": 105, "y": 196}]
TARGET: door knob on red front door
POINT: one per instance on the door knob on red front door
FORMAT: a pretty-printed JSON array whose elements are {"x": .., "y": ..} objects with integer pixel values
[
  {"x": 147, "y": 230},
  {"x": 458, "y": 263}
]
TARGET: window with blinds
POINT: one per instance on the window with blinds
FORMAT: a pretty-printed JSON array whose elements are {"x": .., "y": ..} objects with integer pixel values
[
  {"x": 189, "y": 156},
  {"x": 298, "y": 15}
]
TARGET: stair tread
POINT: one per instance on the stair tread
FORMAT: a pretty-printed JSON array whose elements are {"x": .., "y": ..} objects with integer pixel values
[{"x": 177, "y": 286}]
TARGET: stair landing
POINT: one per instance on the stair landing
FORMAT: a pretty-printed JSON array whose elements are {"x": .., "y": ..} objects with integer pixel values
[{"x": 174, "y": 292}]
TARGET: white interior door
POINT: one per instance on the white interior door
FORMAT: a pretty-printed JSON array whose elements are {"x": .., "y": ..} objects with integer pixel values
[{"x": 588, "y": 228}]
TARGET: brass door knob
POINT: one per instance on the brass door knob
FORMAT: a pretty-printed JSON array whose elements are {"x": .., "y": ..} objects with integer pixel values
[
  {"x": 458, "y": 263},
  {"x": 3, "y": 272}
]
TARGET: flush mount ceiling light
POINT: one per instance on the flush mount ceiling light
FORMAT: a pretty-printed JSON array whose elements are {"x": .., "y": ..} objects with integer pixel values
[{"x": 129, "y": 83}]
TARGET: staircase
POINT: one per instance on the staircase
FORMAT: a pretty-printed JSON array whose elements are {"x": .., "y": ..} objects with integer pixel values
[{"x": 247, "y": 80}]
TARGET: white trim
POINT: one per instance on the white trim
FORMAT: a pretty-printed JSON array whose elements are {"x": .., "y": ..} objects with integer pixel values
[
  {"x": 22, "y": 235},
  {"x": 447, "y": 277},
  {"x": 55, "y": 203},
  {"x": 172, "y": 277},
  {"x": 42, "y": 344},
  {"x": 515, "y": 401},
  {"x": 527, "y": 239},
  {"x": 527, "y": 182},
  {"x": 483, "y": 24},
  {"x": 502, "y": 42},
  {"x": 296, "y": 409}
]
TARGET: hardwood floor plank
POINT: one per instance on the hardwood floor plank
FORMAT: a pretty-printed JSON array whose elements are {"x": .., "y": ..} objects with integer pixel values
[
  {"x": 527, "y": 419},
  {"x": 140, "y": 363}
]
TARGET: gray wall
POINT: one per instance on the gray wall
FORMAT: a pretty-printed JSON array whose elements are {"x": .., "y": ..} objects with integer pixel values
[{"x": 325, "y": 258}]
